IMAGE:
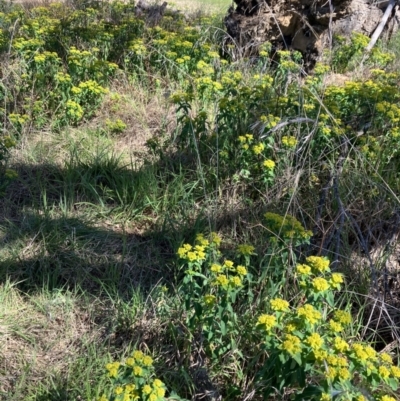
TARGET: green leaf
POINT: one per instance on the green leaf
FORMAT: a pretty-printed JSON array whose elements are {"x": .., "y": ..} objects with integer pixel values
[
  {"x": 301, "y": 377},
  {"x": 187, "y": 303},
  {"x": 308, "y": 393},
  {"x": 174, "y": 396},
  {"x": 283, "y": 357},
  {"x": 282, "y": 383},
  {"x": 233, "y": 344},
  {"x": 198, "y": 309},
  {"x": 299, "y": 334},
  {"x": 239, "y": 353},
  {"x": 297, "y": 358},
  {"x": 222, "y": 326},
  {"x": 330, "y": 299},
  {"x": 393, "y": 383}
]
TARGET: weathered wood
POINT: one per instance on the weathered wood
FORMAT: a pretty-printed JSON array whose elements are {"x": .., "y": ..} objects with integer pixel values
[
  {"x": 381, "y": 25},
  {"x": 153, "y": 13},
  {"x": 303, "y": 25}
]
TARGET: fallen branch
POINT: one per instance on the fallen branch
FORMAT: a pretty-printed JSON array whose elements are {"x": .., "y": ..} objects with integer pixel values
[
  {"x": 381, "y": 25},
  {"x": 282, "y": 124}
]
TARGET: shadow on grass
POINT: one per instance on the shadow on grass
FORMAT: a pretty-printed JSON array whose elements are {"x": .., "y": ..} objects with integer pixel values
[
  {"x": 63, "y": 251},
  {"x": 92, "y": 224},
  {"x": 109, "y": 231},
  {"x": 95, "y": 225}
]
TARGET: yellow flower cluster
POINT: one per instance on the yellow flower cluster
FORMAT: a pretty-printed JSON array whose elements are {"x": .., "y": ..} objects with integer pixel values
[
  {"x": 213, "y": 54},
  {"x": 324, "y": 129},
  {"x": 245, "y": 249},
  {"x": 270, "y": 121},
  {"x": 387, "y": 398},
  {"x": 228, "y": 266},
  {"x": 340, "y": 345},
  {"x": 335, "y": 326},
  {"x": 336, "y": 280},
  {"x": 210, "y": 300},
  {"x": 116, "y": 126},
  {"x": 138, "y": 365},
  {"x": 304, "y": 333},
  {"x": 286, "y": 227},
  {"x": 364, "y": 352},
  {"x": 342, "y": 317},
  {"x": 315, "y": 341},
  {"x": 138, "y": 47},
  {"x": 245, "y": 141},
  {"x": 359, "y": 40},
  {"x": 225, "y": 281},
  {"x": 41, "y": 58},
  {"x": 182, "y": 60},
  {"x": 291, "y": 344},
  {"x": 395, "y": 371},
  {"x": 289, "y": 141},
  {"x": 227, "y": 275},
  {"x": 221, "y": 280},
  {"x": 8, "y": 142},
  {"x": 336, "y": 367},
  {"x": 10, "y": 174},
  {"x": 205, "y": 68},
  {"x": 390, "y": 110},
  {"x": 18, "y": 119},
  {"x": 269, "y": 164},
  {"x": 198, "y": 253},
  {"x": 318, "y": 264},
  {"x": 258, "y": 148},
  {"x": 279, "y": 305},
  {"x": 266, "y": 322},
  {"x": 241, "y": 270},
  {"x": 207, "y": 83},
  {"x": 113, "y": 369},
  {"x": 93, "y": 87},
  {"x": 75, "y": 90},
  {"x": 216, "y": 268},
  {"x": 320, "y": 284},
  {"x": 235, "y": 281},
  {"x": 303, "y": 269},
  {"x": 28, "y": 46},
  {"x": 62, "y": 77},
  {"x": 325, "y": 397},
  {"x": 181, "y": 97},
  {"x": 192, "y": 254},
  {"x": 74, "y": 110},
  {"x": 309, "y": 314},
  {"x": 215, "y": 239},
  {"x": 80, "y": 58},
  {"x": 321, "y": 69}
]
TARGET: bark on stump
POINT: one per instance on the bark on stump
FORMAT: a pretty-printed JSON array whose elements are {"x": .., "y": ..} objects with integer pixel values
[{"x": 303, "y": 25}]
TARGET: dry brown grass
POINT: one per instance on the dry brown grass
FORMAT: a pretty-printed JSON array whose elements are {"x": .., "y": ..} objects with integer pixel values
[
  {"x": 41, "y": 335},
  {"x": 146, "y": 113},
  {"x": 202, "y": 5}
]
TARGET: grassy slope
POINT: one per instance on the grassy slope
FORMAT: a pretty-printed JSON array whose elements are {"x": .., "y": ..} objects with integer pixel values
[
  {"x": 55, "y": 341},
  {"x": 204, "y": 5}
]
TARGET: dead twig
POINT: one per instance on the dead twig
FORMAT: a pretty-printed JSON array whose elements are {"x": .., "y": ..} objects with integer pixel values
[{"x": 381, "y": 25}]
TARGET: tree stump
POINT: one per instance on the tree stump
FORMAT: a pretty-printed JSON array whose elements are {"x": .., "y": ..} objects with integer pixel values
[{"x": 304, "y": 25}]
